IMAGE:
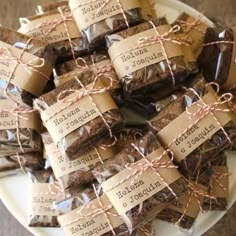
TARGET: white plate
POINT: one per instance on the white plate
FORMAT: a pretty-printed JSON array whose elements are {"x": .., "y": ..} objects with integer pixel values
[{"x": 13, "y": 190}]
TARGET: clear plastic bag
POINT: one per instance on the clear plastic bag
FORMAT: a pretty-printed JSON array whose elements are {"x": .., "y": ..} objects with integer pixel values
[
  {"x": 19, "y": 132},
  {"x": 153, "y": 76},
  {"x": 42, "y": 199},
  {"x": 39, "y": 68},
  {"x": 217, "y": 57},
  {"x": 219, "y": 142},
  {"x": 56, "y": 33},
  {"x": 90, "y": 134},
  {"x": 99, "y": 62},
  {"x": 147, "y": 210},
  {"x": 96, "y": 32},
  {"x": 72, "y": 174}
]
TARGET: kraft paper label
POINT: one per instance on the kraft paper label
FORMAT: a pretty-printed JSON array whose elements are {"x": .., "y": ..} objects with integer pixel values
[
  {"x": 193, "y": 135},
  {"x": 148, "y": 9},
  {"x": 76, "y": 223},
  {"x": 218, "y": 184},
  {"x": 62, "y": 166},
  {"x": 51, "y": 28},
  {"x": 24, "y": 76},
  {"x": 41, "y": 199},
  {"x": 9, "y": 120},
  {"x": 76, "y": 115},
  {"x": 134, "y": 191},
  {"x": 128, "y": 56},
  {"x": 197, "y": 35},
  {"x": 95, "y": 68},
  {"x": 188, "y": 204},
  {"x": 230, "y": 83},
  {"x": 187, "y": 51},
  {"x": 88, "y": 12}
]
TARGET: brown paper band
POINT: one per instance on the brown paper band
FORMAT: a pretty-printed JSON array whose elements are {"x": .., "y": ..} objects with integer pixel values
[
  {"x": 93, "y": 12},
  {"x": 41, "y": 199},
  {"x": 76, "y": 115},
  {"x": 197, "y": 35},
  {"x": 189, "y": 56},
  {"x": 231, "y": 80},
  {"x": 62, "y": 166},
  {"x": 12, "y": 120},
  {"x": 196, "y": 134},
  {"x": 51, "y": 28},
  {"x": 188, "y": 204},
  {"x": 25, "y": 77},
  {"x": 127, "y": 61},
  {"x": 148, "y": 9},
  {"x": 95, "y": 68},
  {"x": 218, "y": 184},
  {"x": 135, "y": 191},
  {"x": 75, "y": 224}
]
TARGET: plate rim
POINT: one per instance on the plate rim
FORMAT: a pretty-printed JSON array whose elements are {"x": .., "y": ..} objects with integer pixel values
[{"x": 42, "y": 231}]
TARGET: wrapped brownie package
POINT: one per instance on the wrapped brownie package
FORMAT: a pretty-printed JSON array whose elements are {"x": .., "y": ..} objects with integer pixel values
[
  {"x": 147, "y": 57},
  {"x": 140, "y": 181},
  {"x": 26, "y": 65},
  {"x": 20, "y": 163},
  {"x": 218, "y": 174},
  {"x": 71, "y": 174},
  {"x": 200, "y": 134},
  {"x": 184, "y": 211},
  {"x": 41, "y": 196},
  {"x": 195, "y": 28},
  {"x": 20, "y": 128},
  {"x": 100, "y": 63},
  {"x": 99, "y": 217},
  {"x": 217, "y": 59},
  {"x": 58, "y": 28},
  {"x": 96, "y": 19},
  {"x": 79, "y": 114}
]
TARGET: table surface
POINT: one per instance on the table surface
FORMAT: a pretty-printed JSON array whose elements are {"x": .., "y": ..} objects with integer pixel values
[{"x": 221, "y": 10}]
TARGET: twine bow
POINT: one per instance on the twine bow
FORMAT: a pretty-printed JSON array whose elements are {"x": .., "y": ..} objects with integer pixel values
[
  {"x": 187, "y": 26},
  {"x": 204, "y": 110},
  {"x": 137, "y": 169},
  {"x": 159, "y": 39},
  {"x": 79, "y": 94}
]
